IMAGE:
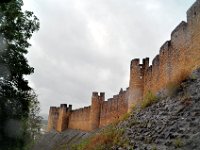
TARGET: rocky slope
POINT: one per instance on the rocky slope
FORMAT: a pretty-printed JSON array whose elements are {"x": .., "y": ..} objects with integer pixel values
[
  {"x": 59, "y": 141},
  {"x": 171, "y": 123},
  {"x": 62, "y": 141}
]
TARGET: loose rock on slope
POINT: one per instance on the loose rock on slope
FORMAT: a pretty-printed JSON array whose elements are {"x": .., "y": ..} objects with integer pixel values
[{"x": 171, "y": 123}]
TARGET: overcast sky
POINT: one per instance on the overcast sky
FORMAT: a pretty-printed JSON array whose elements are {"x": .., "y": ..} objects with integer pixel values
[{"x": 87, "y": 45}]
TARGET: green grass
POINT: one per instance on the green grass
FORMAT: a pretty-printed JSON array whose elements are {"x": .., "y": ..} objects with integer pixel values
[
  {"x": 154, "y": 147},
  {"x": 148, "y": 100},
  {"x": 178, "y": 143}
]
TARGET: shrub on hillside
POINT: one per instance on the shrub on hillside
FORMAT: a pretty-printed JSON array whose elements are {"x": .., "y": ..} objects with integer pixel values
[
  {"x": 172, "y": 88},
  {"x": 182, "y": 76},
  {"x": 148, "y": 100},
  {"x": 105, "y": 139}
]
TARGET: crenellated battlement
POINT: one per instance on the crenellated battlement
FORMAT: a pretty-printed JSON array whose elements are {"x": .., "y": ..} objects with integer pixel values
[
  {"x": 95, "y": 94},
  {"x": 177, "y": 56},
  {"x": 135, "y": 62},
  {"x": 98, "y": 96},
  {"x": 145, "y": 63}
]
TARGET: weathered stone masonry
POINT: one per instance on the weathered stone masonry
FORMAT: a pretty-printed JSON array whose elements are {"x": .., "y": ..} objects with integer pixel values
[{"x": 179, "y": 55}]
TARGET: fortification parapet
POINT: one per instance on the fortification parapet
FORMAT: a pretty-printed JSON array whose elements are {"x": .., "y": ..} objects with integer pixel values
[
  {"x": 70, "y": 108},
  {"x": 54, "y": 109},
  {"x": 145, "y": 63},
  {"x": 193, "y": 17},
  {"x": 95, "y": 94},
  {"x": 102, "y": 95},
  {"x": 181, "y": 26},
  {"x": 63, "y": 106},
  {"x": 193, "y": 12},
  {"x": 179, "y": 37},
  {"x": 155, "y": 61},
  {"x": 115, "y": 96},
  {"x": 135, "y": 62},
  {"x": 121, "y": 91},
  {"x": 164, "y": 48}
]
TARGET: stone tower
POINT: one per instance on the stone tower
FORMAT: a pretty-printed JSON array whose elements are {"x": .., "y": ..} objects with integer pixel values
[
  {"x": 63, "y": 119},
  {"x": 53, "y": 118},
  {"x": 136, "y": 84},
  {"x": 96, "y": 109}
]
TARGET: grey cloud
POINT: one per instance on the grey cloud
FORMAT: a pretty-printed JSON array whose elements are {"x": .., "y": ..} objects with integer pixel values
[{"x": 86, "y": 46}]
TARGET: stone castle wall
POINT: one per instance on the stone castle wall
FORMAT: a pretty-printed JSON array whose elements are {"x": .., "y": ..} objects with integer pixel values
[
  {"x": 178, "y": 56},
  {"x": 113, "y": 108},
  {"x": 80, "y": 119},
  {"x": 99, "y": 114}
]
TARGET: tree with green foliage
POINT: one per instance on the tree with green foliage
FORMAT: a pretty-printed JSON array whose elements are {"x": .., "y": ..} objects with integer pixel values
[{"x": 17, "y": 99}]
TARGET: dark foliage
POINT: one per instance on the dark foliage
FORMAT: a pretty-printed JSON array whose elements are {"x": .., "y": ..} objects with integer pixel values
[{"x": 16, "y": 97}]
